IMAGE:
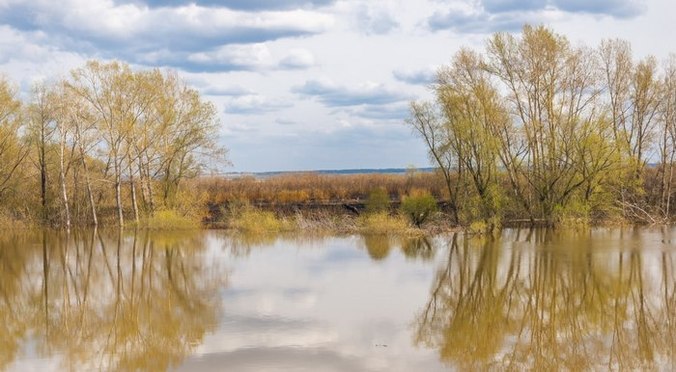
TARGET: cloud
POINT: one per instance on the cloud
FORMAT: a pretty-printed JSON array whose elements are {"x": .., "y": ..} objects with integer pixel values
[
  {"x": 241, "y": 4},
  {"x": 21, "y": 46},
  {"x": 232, "y": 91},
  {"x": 615, "y": 8},
  {"x": 372, "y": 20},
  {"x": 333, "y": 95},
  {"x": 297, "y": 59},
  {"x": 396, "y": 112},
  {"x": 162, "y": 35},
  {"x": 499, "y": 6},
  {"x": 231, "y": 57},
  {"x": 424, "y": 76},
  {"x": 255, "y": 104},
  {"x": 510, "y": 15},
  {"x": 281, "y": 121},
  {"x": 477, "y": 22}
]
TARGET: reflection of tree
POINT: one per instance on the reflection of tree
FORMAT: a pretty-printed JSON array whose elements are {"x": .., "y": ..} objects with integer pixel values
[
  {"x": 121, "y": 302},
  {"x": 15, "y": 301},
  {"x": 241, "y": 244},
  {"x": 553, "y": 305},
  {"x": 417, "y": 247},
  {"x": 377, "y": 245}
]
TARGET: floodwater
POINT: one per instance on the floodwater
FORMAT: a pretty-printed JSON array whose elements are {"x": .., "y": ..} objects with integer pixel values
[{"x": 209, "y": 300}]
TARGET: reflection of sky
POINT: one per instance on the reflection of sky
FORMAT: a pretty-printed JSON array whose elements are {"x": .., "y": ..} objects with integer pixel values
[
  {"x": 324, "y": 304},
  {"x": 292, "y": 306}
]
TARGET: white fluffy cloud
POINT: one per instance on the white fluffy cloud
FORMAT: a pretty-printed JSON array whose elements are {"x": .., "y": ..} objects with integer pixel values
[{"x": 304, "y": 79}]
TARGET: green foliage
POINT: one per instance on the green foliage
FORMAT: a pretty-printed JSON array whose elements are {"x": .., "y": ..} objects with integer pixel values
[
  {"x": 486, "y": 209},
  {"x": 378, "y": 201},
  {"x": 418, "y": 206}
]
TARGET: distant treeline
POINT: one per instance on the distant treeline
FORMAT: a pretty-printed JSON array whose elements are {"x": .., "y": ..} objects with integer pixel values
[
  {"x": 328, "y": 172},
  {"x": 105, "y": 143},
  {"x": 537, "y": 127}
]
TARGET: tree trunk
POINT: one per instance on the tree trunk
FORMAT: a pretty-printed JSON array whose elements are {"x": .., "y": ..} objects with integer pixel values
[
  {"x": 62, "y": 179},
  {"x": 43, "y": 173},
  {"x": 88, "y": 185},
  {"x": 134, "y": 203},
  {"x": 118, "y": 195}
]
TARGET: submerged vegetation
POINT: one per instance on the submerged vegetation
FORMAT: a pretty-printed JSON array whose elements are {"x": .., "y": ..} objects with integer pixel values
[
  {"x": 537, "y": 128},
  {"x": 102, "y": 146}
]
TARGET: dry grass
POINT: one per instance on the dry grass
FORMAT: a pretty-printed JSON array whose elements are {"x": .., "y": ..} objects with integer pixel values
[
  {"x": 383, "y": 223},
  {"x": 258, "y": 221},
  {"x": 169, "y": 220},
  {"x": 317, "y": 188},
  {"x": 8, "y": 222}
]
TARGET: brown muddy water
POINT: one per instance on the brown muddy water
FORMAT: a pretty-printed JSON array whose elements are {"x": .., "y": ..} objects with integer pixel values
[{"x": 211, "y": 301}]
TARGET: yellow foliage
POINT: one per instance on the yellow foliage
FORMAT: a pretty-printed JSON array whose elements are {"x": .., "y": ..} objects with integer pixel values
[
  {"x": 169, "y": 220},
  {"x": 253, "y": 220},
  {"x": 383, "y": 223}
]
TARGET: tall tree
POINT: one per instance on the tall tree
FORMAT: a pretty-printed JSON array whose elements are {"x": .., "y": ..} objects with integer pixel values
[
  {"x": 13, "y": 151},
  {"x": 553, "y": 89}
]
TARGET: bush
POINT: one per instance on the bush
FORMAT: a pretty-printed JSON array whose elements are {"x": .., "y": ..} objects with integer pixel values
[
  {"x": 378, "y": 201},
  {"x": 418, "y": 206},
  {"x": 382, "y": 223},
  {"x": 253, "y": 220},
  {"x": 169, "y": 220}
]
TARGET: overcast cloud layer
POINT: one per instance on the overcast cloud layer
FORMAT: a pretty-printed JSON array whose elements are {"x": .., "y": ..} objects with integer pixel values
[{"x": 304, "y": 84}]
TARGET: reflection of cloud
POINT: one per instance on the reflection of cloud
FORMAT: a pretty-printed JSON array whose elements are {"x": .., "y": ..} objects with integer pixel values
[
  {"x": 298, "y": 307},
  {"x": 276, "y": 358}
]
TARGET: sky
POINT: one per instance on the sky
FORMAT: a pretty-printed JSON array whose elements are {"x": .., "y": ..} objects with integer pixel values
[{"x": 305, "y": 84}]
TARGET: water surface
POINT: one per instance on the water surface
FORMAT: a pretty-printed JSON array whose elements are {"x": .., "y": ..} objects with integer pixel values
[{"x": 209, "y": 300}]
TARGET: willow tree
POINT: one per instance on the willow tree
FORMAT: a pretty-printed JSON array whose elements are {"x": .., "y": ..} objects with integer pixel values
[
  {"x": 427, "y": 123},
  {"x": 153, "y": 128},
  {"x": 188, "y": 127},
  {"x": 41, "y": 128},
  {"x": 474, "y": 113},
  {"x": 553, "y": 92},
  {"x": 108, "y": 90},
  {"x": 667, "y": 137},
  {"x": 13, "y": 151}
]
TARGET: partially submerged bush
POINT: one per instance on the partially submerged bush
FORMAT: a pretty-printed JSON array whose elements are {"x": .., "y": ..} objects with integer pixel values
[
  {"x": 418, "y": 206},
  {"x": 378, "y": 201},
  {"x": 382, "y": 223},
  {"x": 169, "y": 220},
  {"x": 254, "y": 220}
]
